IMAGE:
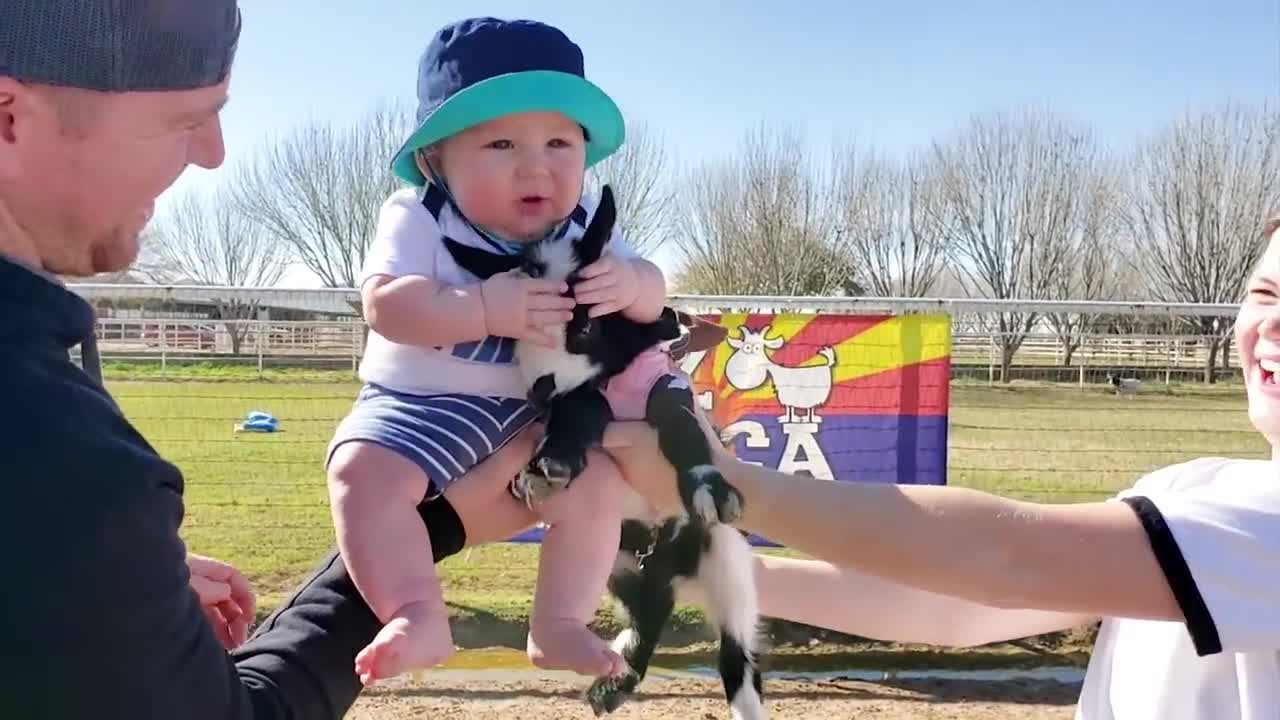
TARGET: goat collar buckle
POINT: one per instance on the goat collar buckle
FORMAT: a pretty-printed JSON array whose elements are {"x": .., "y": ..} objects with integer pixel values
[{"x": 653, "y": 544}]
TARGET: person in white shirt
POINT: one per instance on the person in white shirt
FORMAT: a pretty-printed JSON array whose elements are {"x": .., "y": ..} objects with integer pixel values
[
  {"x": 507, "y": 127},
  {"x": 1182, "y": 569}
]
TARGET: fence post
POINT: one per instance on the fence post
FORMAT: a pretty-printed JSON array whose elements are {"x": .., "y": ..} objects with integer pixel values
[
  {"x": 258, "y": 331},
  {"x": 164, "y": 346},
  {"x": 1081, "y": 374},
  {"x": 355, "y": 349},
  {"x": 991, "y": 366}
]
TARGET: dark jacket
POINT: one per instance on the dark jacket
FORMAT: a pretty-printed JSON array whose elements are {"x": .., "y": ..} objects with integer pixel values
[{"x": 96, "y": 614}]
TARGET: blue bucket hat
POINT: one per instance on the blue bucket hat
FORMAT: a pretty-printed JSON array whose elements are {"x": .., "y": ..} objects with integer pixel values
[{"x": 479, "y": 69}]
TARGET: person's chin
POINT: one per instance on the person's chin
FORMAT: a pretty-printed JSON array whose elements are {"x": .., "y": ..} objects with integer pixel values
[{"x": 116, "y": 255}]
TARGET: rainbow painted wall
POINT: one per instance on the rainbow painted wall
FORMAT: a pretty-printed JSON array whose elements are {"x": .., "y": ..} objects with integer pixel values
[
  {"x": 848, "y": 398},
  {"x": 841, "y": 397}
]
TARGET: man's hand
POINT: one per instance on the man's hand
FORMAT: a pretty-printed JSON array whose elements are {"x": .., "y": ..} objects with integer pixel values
[
  {"x": 482, "y": 496},
  {"x": 226, "y": 597}
]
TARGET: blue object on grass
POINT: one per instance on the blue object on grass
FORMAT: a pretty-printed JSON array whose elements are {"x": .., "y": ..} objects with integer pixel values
[{"x": 258, "y": 421}]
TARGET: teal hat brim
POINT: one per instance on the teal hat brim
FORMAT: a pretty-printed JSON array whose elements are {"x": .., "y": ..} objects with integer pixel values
[{"x": 528, "y": 91}]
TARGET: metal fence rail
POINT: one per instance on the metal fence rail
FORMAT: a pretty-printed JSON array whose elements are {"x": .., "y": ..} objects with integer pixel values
[{"x": 1068, "y": 341}]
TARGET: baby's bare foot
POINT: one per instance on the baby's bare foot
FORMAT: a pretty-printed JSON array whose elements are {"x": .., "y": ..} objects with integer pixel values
[
  {"x": 413, "y": 639},
  {"x": 569, "y": 645}
]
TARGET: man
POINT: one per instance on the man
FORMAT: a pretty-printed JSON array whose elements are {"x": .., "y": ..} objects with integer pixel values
[{"x": 102, "y": 106}]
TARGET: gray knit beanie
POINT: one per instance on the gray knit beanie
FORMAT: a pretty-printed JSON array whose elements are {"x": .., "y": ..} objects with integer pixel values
[{"x": 119, "y": 45}]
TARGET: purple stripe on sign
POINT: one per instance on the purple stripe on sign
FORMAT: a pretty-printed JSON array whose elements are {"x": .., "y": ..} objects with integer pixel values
[{"x": 905, "y": 449}]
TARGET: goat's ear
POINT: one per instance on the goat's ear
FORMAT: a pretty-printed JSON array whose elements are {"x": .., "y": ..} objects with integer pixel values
[
  {"x": 591, "y": 245},
  {"x": 481, "y": 263},
  {"x": 706, "y": 335}
]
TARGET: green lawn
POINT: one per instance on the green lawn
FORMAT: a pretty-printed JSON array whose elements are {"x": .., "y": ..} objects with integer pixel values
[{"x": 259, "y": 501}]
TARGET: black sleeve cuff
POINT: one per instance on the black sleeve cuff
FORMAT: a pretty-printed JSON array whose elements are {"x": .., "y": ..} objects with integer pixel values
[
  {"x": 444, "y": 527},
  {"x": 1199, "y": 622}
]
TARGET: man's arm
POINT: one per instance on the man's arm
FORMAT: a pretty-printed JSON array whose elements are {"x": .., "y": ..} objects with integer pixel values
[
  {"x": 110, "y": 603},
  {"x": 93, "y": 515}
]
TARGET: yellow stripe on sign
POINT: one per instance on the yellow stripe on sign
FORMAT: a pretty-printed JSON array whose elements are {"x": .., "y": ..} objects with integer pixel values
[
  {"x": 887, "y": 345},
  {"x": 896, "y": 342},
  {"x": 783, "y": 326}
]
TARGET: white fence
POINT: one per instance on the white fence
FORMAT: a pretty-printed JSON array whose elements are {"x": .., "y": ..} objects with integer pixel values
[{"x": 1068, "y": 341}]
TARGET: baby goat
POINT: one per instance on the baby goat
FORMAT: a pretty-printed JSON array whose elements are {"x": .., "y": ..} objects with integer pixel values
[{"x": 660, "y": 559}]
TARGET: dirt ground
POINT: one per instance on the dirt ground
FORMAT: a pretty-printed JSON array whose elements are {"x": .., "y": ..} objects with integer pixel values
[{"x": 533, "y": 697}]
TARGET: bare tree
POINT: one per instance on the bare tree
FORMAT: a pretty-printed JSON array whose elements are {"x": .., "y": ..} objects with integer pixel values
[
  {"x": 1197, "y": 195},
  {"x": 888, "y": 214},
  {"x": 1091, "y": 271},
  {"x": 761, "y": 224},
  {"x": 319, "y": 189},
  {"x": 1013, "y": 189},
  {"x": 204, "y": 239},
  {"x": 641, "y": 178}
]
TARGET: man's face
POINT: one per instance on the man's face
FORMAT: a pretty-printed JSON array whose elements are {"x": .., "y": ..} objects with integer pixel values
[{"x": 80, "y": 172}]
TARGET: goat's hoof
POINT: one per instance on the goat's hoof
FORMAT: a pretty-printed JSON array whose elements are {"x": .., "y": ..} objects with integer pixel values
[
  {"x": 532, "y": 487},
  {"x": 729, "y": 504},
  {"x": 609, "y": 693},
  {"x": 714, "y": 499},
  {"x": 559, "y": 472}
]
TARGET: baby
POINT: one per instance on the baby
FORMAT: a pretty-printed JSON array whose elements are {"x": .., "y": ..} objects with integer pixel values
[{"x": 508, "y": 126}]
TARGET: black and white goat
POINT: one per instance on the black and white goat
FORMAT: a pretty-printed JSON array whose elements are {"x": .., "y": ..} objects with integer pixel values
[{"x": 695, "y": 557}]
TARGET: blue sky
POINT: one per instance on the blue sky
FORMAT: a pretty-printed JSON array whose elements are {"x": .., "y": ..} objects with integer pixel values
[{"x": 890, "y": 75}]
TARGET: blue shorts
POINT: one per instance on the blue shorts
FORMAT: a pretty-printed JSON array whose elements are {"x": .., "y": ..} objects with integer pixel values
[{"x": 445, "y": 435}]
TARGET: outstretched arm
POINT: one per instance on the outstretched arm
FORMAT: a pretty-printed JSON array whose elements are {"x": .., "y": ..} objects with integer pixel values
[
  {"x": 1089, "y": 559},
  {"x": 1092, "y": 558},
  {"x": 824, "y": 595}
]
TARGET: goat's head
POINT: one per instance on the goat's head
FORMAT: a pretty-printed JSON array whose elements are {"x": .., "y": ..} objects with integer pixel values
[
  {"x": 754, "y": 343},
  {"x": 563, "y": 257}
]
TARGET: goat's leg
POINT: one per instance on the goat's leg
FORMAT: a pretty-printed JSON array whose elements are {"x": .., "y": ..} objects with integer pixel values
[
  {"x": 704, "y": 490},
  {"x": 647, "y": 594},
  {"x": 726, "y": 578},
  {"x": 575, "y": 423}
]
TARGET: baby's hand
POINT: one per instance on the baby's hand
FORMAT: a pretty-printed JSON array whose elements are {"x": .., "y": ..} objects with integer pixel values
[
  {"x": 520, "y": 307},
  {"x": 611, "y": 284}
]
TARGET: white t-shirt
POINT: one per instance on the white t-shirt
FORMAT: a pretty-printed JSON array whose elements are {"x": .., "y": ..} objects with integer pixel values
[
  {"x": 409, "y": 241},
  {"x": 1214, "y": 525}
]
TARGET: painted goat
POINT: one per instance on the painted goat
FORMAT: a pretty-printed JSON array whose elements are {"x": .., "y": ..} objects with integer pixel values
[{"x": 693, "y": 557}]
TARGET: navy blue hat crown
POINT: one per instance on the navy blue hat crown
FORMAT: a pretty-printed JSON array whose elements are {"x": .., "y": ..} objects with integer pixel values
[{"x": 476, "y": 49}]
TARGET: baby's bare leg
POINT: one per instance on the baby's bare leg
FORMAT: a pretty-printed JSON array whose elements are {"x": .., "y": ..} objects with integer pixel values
[
  {"x": 578, "y": 553},
  {"x": 374, "y": 493}
]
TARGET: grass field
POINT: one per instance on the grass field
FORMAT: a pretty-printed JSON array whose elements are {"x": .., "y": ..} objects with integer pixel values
[{"x": 259, "y": 500}]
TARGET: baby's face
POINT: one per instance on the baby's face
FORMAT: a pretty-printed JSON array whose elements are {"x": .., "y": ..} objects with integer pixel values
[{"x": 517, "y": 175}]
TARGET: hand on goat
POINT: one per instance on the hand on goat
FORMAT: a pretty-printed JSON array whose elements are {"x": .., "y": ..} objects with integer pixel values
[
  {"x": 633, "y": 445},
  {"x": 610, "y": 284},
  {"x": 521, "y": 307}
]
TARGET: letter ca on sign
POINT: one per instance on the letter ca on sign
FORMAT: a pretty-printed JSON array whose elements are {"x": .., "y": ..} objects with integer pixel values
[{"x": 801, "y": 454}]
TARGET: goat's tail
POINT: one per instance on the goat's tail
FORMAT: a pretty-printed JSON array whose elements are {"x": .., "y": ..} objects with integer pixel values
[{"x": 830, "y": 354}]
